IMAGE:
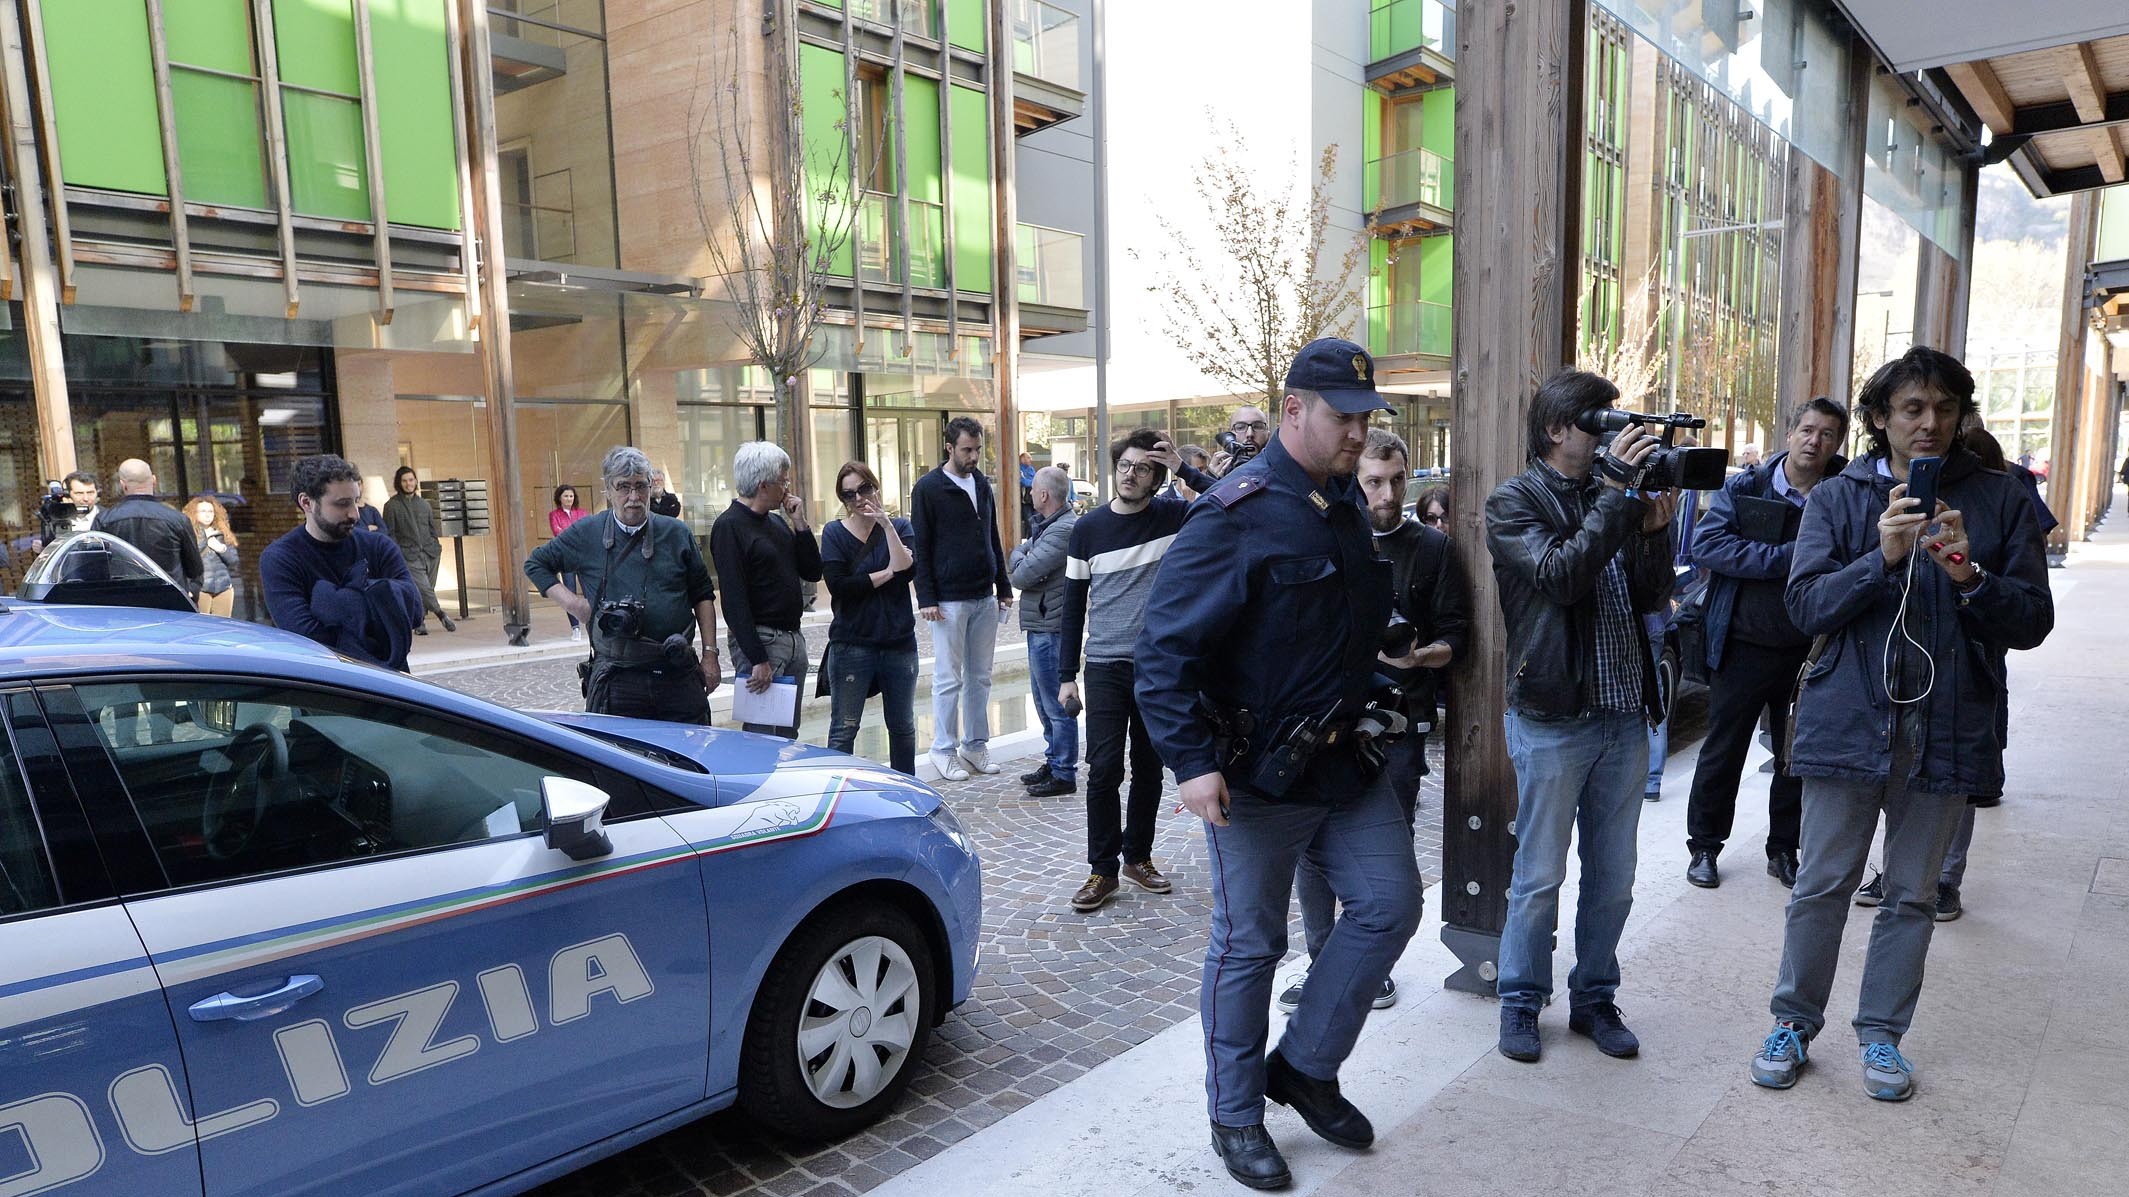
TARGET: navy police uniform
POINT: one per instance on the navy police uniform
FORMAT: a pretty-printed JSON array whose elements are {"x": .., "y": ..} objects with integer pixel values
[{"x": 1258, "y": 648}]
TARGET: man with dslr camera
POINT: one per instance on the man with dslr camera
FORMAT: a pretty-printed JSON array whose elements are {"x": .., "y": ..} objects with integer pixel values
[
  {"x": 1246, "y": 435},
  {"x": 649, "y": 591},
  {"x": 1580, "y": 553},
  {"x": 1914, "y": 567}
]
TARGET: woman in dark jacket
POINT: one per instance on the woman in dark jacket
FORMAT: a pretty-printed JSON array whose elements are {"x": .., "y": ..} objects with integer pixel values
[
  {"x": 218, "y": 555},
  {"x": 872, "y": 643},
  {"x": 414, "y": 526}
]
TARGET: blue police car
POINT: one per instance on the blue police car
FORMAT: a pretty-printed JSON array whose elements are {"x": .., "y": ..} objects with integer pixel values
[{"x": 274, "y": 922}]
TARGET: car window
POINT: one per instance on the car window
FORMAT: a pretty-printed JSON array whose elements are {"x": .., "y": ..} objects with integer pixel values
[
  {"x": 237, "y": 779},
  {"x": 25, "y": 871}
]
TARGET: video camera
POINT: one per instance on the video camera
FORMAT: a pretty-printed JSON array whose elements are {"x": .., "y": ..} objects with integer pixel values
[
  {"x": 1667, "y": 466},
  {"x": 1237, "y": 452},
  {"x": 56, "y": 513}
]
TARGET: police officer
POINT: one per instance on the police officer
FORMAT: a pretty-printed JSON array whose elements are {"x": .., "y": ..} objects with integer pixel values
[
  {"x": 648, "y": 589},
  {"x": 1255, "y": 665}
]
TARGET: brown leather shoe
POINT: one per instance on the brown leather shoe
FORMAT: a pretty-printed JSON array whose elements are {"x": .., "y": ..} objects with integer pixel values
[
  {"x": 1147, "y": 878},
  {"x": 1094, "y": 894}
]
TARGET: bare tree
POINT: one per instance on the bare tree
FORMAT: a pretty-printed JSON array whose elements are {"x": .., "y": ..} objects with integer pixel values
[
  {"x": 775, "y": 212},
  {"x": 1633, "y": 360},
  {"x": 1242, "y": 306}
]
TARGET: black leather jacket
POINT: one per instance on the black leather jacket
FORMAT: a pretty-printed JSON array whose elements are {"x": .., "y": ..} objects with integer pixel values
[{"x": 1550, "y": 538}]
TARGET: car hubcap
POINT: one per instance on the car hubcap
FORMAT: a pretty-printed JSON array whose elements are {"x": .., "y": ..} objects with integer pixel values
[{"x": 859, "y": 1021}]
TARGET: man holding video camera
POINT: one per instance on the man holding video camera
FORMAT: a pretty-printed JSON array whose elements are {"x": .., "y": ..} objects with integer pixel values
[
  {"x": 1580, "y": 553},
  {"x": 1914, "y": 567},
  {"x": 1245, "y": 437},
  {"x": 649, "y": 590}
]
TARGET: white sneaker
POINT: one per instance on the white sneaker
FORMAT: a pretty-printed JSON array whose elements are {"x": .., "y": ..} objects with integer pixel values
[
  {"x": 978, "y": 759},
  {"x": 949, "y": 768},
  {"x": 576, "y": 634}
]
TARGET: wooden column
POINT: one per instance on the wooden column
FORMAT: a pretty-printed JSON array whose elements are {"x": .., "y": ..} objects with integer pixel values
[
  {"x": 1519, "y": 120},
  {"x": 1005, "y": 285},
  {"x": 41, "y": 284},
  {"x": 1822, "y": 226},
  {"x": 506, "y": 508},
  {"x": 2070, "y": 367},
  {"x": 1942, "y": 281}
]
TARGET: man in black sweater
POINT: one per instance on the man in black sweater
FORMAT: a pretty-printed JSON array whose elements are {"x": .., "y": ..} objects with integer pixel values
[
  {"x": 342, "y": 587},
  {"x": 145, "y": 522},
  {"x": 763, "y": 549},
  {"x": 960, "y": 566}
]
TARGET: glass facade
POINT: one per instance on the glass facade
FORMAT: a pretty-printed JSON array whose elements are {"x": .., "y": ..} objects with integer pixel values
[{"x": 554, "y": 140}]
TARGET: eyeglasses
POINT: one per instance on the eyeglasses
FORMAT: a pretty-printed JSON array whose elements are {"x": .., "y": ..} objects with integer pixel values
[
  {"x": 1241, "y": 426},
  {"x": 630, "y": 488},
  {"x": 1138, "y": 469},
  {"x": 1435, "y": 519},
  {"x": 866, "y": 491}
]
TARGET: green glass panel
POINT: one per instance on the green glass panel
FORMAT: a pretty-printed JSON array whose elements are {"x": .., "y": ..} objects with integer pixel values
[
  {"x": 1436, "y": 267},
  {"x": 315, "y": 43},
  {"x": 325, "y": 167},
  {"x": 103, "y": 94},
  {"x": 209, "y": 33},
  {"x": 1438, "y": 122},
  {"x": 820, "y": 85},
  {"x": 972, "y": 184},
  {"x": 414, "y": 117},
  {"x": 965, "y": 25},
  {"x": 218, "y": 141},
  {"x": 920, "y": 110}
]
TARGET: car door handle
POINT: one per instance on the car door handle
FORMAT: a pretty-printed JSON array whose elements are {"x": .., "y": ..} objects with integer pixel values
[{"x": 226, "y": 1005}]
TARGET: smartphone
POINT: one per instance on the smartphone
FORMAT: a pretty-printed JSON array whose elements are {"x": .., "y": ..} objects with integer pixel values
[{"x": 1922, "y": 475}]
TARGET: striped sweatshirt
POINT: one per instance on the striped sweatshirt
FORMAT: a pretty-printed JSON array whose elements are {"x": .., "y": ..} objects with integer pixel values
[{"x": 1109, "y": 572}]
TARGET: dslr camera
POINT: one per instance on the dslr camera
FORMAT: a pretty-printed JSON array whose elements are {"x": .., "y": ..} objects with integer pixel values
[
  {"x": 619, "y": 619},
  {"x": 1668, "y": 466},
  {"x": 1237, "y": 452}
]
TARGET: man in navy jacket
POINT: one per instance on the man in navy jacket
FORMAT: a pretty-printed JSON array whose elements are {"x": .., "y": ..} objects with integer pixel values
[
  {"x": 326, "y": 579},
  {"x": 1898, "y": 710},
  {"x": 960, "y": 567}
]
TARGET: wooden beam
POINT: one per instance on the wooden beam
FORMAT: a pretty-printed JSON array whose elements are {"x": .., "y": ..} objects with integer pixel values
[
  {"x": 40, "y": 99},
  {"x": 1519, "y": 129},
  {"x": 41, "y": 283},
  {"x": 2088, "y": 91},
  {"x": 262, "y": 19},
  {"x": 2107, "y": 153},
  {"x": 2070, "y": 365},
  {"x": 1005, "y": 270},
  {"x": 173, "y": 168},
  {"x": 373, "y": 160},
  {"x": 1978, "y": 83}
]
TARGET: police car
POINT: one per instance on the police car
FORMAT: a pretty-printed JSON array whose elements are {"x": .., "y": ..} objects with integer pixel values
[{"x": 275, "y": 922}]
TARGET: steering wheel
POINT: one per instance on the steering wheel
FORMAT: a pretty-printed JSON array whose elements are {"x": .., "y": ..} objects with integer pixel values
[{"x": 224, "y": 808}]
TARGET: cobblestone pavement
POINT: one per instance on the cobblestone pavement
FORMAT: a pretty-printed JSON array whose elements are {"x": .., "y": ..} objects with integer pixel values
[{"x": 1056, "y": 993}]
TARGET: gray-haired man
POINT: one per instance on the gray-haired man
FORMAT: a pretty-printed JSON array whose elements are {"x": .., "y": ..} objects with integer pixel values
[
  {"x": 645, "y": 591},
  {"x": 763, "y": 549}
]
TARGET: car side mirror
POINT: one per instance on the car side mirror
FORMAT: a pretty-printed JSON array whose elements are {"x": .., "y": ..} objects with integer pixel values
[{"x": 576, "y": 818}]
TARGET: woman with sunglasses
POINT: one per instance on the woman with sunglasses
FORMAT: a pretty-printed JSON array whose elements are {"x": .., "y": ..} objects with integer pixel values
[{"x": 872, "y": 642}]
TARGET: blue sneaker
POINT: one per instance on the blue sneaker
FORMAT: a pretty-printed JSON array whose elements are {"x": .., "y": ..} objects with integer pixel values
[
  {"x": 1781, "y": 1057},
  {"x": 1887, "y": 1075}
]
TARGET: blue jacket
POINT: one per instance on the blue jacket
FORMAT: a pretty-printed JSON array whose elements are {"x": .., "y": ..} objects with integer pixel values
[
  {"x": 1839, "y": 587},
  {"x": 1730, "y": 558}
]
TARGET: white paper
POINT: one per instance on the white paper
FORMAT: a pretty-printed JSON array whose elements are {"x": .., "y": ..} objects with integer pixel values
[{"x": 776, "y": 706}]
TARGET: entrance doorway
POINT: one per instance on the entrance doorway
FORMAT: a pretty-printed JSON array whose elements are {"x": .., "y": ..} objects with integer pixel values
[{"x": 901, "y": 447}]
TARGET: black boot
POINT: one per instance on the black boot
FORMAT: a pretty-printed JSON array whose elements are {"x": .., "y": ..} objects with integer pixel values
[
  {"x": 1319, "y": 1103},
  {"x": 1250, "y": 1155}
]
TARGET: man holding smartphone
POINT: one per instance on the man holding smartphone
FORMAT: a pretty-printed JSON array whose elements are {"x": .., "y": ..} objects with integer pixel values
[{"x": 1897, "y": 708}]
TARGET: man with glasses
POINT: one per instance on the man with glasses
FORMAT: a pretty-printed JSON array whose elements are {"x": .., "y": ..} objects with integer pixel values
[
  {"x": 764, "y": 551},
  {"x": 1109, "y": 570},
  {"x": 646, "y": 590},
  {"x": 1249, "y": 431}
]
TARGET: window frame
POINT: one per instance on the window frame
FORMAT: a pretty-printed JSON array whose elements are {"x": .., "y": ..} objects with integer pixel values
[
  {"x": 115, "y": 819},
  {"x": 34, "y": 800}
]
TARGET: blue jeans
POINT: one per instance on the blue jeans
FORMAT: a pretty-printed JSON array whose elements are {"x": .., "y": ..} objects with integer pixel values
[
  {"x": 1580, "y": 776},
  {"x": 1659, "y": 736},
  {"x": 853, "y": 670},
  {"x": 1362, "y": 843},
  {"x": 1060, "y": 732},
  {"x": 962, "y": 646}
]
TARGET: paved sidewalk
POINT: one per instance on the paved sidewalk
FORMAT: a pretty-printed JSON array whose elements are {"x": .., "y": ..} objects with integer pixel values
[{"x": 2021, "y": 1042}]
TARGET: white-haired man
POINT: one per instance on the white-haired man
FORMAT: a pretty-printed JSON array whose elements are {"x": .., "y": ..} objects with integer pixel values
[{"x": 763, "y": 551}]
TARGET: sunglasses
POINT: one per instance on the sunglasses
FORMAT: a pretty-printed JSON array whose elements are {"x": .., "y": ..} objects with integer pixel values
[{"x": 866, "y": 491}]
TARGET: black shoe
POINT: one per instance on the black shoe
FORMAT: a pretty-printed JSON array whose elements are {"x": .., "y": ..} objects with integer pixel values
[
  {"x": 1319, "y": 1103},
  {"x": 1601, "y": 1022},
  {"x": 1250, "y": 1155},
  {"x": 1519, "y": 1033},
  {"x": 1782, "y": 867},
  {"x": 1948, "y": 907},
  {"x": 420, "y": 630},
  {"x": 1051, "y": 787},
  {"x": 1873, "y": 891},
  {"x": 448, "y": 625},
  {"x": 1040, "y": 775},
  {"x": 1702, "y": 872},
  {"x": 1991, "y": 800}
]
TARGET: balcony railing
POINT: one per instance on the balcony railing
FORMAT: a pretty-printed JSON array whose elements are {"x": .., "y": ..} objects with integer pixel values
[
  {"x": 1046, "y": 43},
  {"x": 880, "y": 258},
  {"x": 914, "y": 16},
  {"x": 546, "y": 234},
  {"x": 1413, "y": 177},
  {"x": 1047, "y": 263},
  {"x": 1414, "y": 326},
  {"x": 1395, "y": 26}
]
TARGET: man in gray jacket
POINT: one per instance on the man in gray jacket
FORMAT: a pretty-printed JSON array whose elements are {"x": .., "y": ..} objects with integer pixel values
[{"x": 1037, "y": 569}]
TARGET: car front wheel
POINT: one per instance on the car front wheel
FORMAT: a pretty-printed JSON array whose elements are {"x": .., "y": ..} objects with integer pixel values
[{"x": 839, "y": 1023}]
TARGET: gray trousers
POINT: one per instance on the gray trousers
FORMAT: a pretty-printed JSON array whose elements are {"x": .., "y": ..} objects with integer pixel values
[
  {"x": 1839, "y": 819},
  {"x": 787, "y": 657}
]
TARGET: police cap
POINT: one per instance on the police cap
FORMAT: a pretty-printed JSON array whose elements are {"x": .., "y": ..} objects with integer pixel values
[{"x": 1341, "y": 372}]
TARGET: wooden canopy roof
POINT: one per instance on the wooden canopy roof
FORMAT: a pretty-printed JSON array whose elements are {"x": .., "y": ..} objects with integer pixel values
[{"x": 2062, "y": 113}]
